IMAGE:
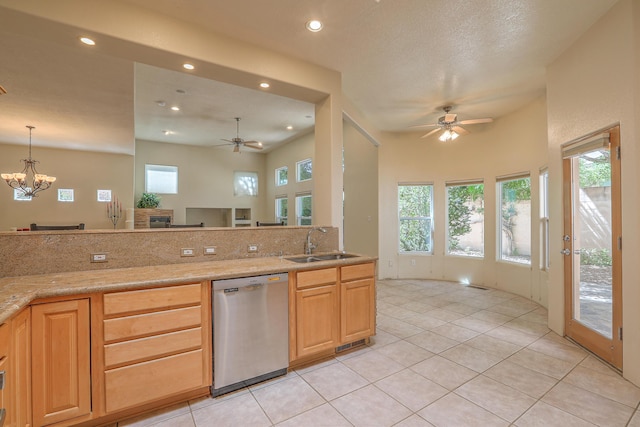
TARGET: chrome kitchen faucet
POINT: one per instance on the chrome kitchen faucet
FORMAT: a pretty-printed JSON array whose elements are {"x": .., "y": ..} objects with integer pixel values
[{"x": 311, "y": 246}]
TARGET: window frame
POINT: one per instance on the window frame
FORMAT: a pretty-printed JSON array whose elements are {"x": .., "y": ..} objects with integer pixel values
[
  {"x": 299, "y": 217},
  {"x": 500, "y": 181},
  {"x": 238, "y": 190},
  {"x": 466, "y": 183},
  {"x": 429, "y": 219},
  {"x": 278, "y": 217},
  {"x": 149, "y": 167},
  {"x": 278, "y": 181},
  {"x": 298, "y": 168},
  {"x": 545, "y": 259}
]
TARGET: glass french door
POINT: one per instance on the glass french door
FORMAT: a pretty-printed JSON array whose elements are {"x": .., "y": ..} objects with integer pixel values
[{"x": 593, "y": 243}]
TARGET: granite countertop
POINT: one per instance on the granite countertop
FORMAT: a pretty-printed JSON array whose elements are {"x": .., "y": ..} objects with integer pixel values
[{"x": 18, "y": 292}]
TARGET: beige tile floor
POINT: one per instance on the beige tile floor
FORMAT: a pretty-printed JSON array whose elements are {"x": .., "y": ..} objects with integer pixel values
[{"x": 445, "y": 355}]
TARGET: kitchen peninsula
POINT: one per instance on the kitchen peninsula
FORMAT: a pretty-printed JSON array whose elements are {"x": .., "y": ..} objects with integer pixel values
[{"x": 139, "y": 337}]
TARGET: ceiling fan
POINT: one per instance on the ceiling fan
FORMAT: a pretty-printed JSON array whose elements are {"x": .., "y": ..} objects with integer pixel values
[
  {"x": 450, "y": 125},
  {"x": 237, "y": 141}
]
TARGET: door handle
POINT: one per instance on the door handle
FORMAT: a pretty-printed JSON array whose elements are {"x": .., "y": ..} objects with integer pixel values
[{"x": 566, "y": 252}]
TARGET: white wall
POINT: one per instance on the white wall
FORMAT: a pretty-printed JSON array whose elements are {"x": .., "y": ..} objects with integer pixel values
[
  {"x": 593, "y": 85},
  {"x": 513, "y": 144}
]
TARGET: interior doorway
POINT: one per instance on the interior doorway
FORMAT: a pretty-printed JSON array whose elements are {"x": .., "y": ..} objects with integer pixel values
[{"x": 593, "y": 243}]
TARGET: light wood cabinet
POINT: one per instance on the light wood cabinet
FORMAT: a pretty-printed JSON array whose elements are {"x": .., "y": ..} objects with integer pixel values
[
  {"x": 314, "y": 312},
  {"x": 19, "y": 387},
  {"x": 6, "y": 401},
  {"x": 156, "y": 344},
  {"x": 328, "y": 308},
  {"x": 61, "y": 361},
  {"x": 357, "y": 302}
]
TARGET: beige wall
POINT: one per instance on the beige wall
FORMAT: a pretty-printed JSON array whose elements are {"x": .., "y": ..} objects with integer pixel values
[
  {"x": 287, "y": 155},
  {"x": 360, "y": 193},
  {"x": 512, "y": 144},
  {"x": 205, "y": 177},
  {"x": 84, "y": 172},
  {"x": 593, "y": 85}
]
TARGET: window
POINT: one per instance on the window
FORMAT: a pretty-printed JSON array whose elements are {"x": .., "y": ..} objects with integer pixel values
[
  {"x": 282, "y": 206},
  {"x": 303, "y": 209},
  {"x": 245, "y": 184},
  {"x": 281, "y": 176},
  {"x": 415, "y": 210},
  {"x": 465, "y": 219},
  {"x": 544, "y": 220},
  {"x": 65, "y": 194},
  {"x": 161, "y": 179},
  {"x": 514, "y": 199},
  {"x": 303, "y": 170},
  {"x": 20, "y": 195}
]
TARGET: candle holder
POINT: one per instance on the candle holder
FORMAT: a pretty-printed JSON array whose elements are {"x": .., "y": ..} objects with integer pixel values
[{"x": 114, "y": 211}]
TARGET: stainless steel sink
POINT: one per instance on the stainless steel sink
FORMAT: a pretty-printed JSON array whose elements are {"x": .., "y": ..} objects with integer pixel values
[{"x": 316, "y": 258}]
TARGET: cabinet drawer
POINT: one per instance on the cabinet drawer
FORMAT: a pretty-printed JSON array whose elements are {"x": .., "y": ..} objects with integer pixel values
[
  {"x": 145, "y": 382},
  {"x": 151, "y": 299},
  {"x": 358, "y": 271},
  {"x": 325, "y": 276},
  {"x": 152, "y": 323},
  {"x": 152, "y": 347},
  {"x": 5, "y": 335}
]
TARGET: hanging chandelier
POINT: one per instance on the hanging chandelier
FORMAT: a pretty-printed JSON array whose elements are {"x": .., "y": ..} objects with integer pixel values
[{"x": 29, "y": 181}]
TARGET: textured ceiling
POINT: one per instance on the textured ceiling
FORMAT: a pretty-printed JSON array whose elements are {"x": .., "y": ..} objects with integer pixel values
[{"x": 401, "y": 61}]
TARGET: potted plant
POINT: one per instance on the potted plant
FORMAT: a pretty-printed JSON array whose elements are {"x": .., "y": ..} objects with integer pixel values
[{"x": 148, "y": 201}]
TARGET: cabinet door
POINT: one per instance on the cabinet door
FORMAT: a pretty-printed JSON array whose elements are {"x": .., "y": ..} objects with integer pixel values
[
  {"x": 20, "y": 378},
  {"x": 61, "y": 361},
  {"x": 316, "y": 320},
  {"x": 357, "y": 310}
]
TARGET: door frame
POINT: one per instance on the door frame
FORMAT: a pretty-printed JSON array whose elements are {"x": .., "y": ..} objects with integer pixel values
[{"x": 609, "y": 350}]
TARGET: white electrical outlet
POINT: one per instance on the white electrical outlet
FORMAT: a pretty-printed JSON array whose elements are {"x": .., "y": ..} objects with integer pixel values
[
  {"x": 390, "y": 263},
  {"x": 413, "y": 262},
  {"x": 187, "y": 252},
  {"x": 99, "y": 257},
  {"x": 209, "y": 250},
  {"x": 252, "y": 248}
]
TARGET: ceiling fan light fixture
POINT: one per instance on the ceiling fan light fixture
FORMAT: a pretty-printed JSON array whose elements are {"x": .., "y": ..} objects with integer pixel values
[{"x": 448, "y": 135}]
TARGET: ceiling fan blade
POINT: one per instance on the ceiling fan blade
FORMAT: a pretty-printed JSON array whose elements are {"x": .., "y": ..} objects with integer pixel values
[
  {"x": 450, "y": 117},
  {"x": 476, "y": 121},
  {"x": 253, "y": 144},
  {"x": 459, "y": 130},
  {"x": 430, "y": 133},
  {"x": 420, "y": 126}
]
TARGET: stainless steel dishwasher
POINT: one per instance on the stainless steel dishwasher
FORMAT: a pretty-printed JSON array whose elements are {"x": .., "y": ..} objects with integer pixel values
[{"x": 250, "y": 331}]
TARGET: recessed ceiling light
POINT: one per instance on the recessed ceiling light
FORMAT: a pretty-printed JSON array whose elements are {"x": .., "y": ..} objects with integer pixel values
[
  {"x": 289, "y": 127},
  {"x": 161, "y": 103},
  {"x": 181, "y": 91},
  {"x": 175, "y": 108},
  {"x": 167, "y": 132},
  {"x": 264, "y": 85},
  {"x": 87, "y": 41},
  {"x": 188, "y": 66},
  {"x": 314, "y": 25}
]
